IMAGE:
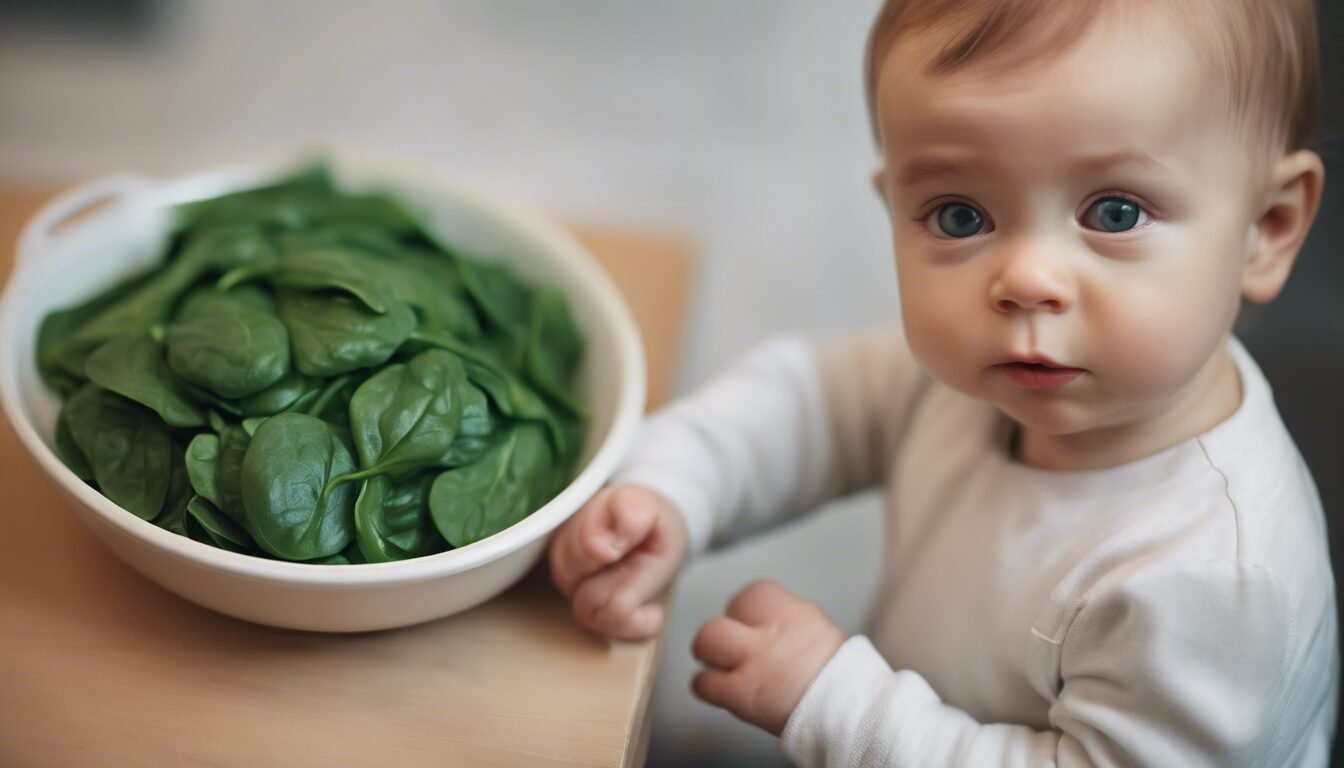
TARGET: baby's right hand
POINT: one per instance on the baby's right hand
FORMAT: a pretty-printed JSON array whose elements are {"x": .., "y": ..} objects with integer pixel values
[{"x": 614, "y": 556}]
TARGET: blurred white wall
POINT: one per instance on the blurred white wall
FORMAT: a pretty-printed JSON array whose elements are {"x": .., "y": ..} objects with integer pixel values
[{"x": 739, "y": 123}]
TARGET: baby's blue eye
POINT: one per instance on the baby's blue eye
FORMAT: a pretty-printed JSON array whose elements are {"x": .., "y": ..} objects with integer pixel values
[
  {"x": 959, "y": 220},
  {"x": 1113, "y": 214}
]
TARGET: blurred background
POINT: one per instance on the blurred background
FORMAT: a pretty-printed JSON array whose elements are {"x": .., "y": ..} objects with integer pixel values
[{"x": 741, "y": 125}]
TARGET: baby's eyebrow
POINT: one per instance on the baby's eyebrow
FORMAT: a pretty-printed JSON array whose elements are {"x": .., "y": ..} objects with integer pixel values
[
  {"x": 1102, "y": 163},
  {"x": 921, "y": 169}
]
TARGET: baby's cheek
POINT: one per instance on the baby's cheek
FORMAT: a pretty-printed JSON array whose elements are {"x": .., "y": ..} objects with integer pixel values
[
  {"x": 937, "y": 327},
  {"x": 1154, "y": 346}
]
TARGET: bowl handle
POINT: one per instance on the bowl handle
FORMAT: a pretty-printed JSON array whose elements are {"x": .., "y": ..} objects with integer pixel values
[{"x": 40, "y": 230}]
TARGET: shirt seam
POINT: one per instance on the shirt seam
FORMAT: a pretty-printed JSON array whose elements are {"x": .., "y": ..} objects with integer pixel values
[{"x": 1227, "y": 493}]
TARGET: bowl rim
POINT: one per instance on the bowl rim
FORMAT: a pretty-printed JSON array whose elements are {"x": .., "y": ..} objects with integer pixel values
[{"x": 390, "y": 172}]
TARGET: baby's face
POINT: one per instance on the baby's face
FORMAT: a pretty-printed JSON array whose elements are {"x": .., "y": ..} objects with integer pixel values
[{"x": 1094, "y": 209}]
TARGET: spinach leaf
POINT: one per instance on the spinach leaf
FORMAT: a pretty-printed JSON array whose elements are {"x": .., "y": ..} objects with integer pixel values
[
  {"x": 68, "y": 451},
  {"x": 406, "y": 416},
  {"x": 341, "y": 269},
  {"x": 285, "y": 203},
  {"x": 229, "y": 342},
  {"x": 392, "y": 520},
  {"x": 174, "y": 520},
  {"x": 555, "y": 347},
  {"x": 179, "y": 494},
  {"x": 152, "y": 301},
  {"x": 222, "y": 531},
  {"x": 512, "y": 480},
  {"x": 329, "y": 397},
  {"x": 501, "y": 297},
  {"x": 277, "y": 397},
  {"x": 478, "y": 427},
  {"x": 133, "y": 367},
  {"x": 285, "y": 475},
  {"x": 515, "y": 399},
  {"x": 56, "y": 326},
  {"x": 233, "y": 444},
  {"x": 202, "y": 462},
  {"x": 128, "y": 448},
  {"x": 510, "y": 394},
  {"x": 430, "y": 283},
  {"x": 331, "y": 334},
  {"x": 173, "y": 516}
]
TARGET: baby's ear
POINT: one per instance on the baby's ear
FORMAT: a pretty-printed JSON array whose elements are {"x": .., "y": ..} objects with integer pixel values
[
  {"x": 1277, "y": 236},
  {"x": 879, "y": 181}
]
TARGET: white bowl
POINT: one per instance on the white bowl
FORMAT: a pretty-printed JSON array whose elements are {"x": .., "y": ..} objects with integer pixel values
[{"x": 58, "y": 267}]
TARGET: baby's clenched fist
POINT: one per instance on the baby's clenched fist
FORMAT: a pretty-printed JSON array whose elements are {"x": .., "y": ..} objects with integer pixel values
[
  {"x": 763, "y": 654},
  {"x": 614, "y": 556}
]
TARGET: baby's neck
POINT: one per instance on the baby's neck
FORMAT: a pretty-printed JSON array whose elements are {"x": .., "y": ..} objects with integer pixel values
[{"x": 1213, "y": 396}]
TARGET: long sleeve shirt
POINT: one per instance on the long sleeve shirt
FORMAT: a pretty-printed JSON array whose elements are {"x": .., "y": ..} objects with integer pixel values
[{"x": 1177, "y": 610}]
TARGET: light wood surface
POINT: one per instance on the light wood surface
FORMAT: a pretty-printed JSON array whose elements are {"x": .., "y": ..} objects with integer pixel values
[{"x": 101, "y": 667}]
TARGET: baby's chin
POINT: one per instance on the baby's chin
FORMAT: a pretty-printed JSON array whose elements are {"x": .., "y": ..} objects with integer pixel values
[
  {"x": 1053, "y": 418},
  {"x": 1056, "y": 412}
]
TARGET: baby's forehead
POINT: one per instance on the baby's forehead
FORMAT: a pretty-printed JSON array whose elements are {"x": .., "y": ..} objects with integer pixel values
[
  {"x": 1108, "y": 106},
  {"x": 1118, "y": 84},
  {"x": 1251, "y": 63}
]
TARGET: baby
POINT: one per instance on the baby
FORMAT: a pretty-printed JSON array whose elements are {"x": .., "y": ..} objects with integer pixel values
[{"x": 1102, "y": 546}]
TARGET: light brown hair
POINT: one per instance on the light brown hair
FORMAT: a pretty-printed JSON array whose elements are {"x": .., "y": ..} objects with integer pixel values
[{"x": 1266, "y": 51}]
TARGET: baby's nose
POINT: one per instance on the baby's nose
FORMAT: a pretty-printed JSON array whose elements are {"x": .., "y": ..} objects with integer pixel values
[{"x": 1030, "y": 279}]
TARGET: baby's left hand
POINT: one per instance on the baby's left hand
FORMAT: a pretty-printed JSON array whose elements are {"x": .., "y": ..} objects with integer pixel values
[{"x": 764, "y": 654}]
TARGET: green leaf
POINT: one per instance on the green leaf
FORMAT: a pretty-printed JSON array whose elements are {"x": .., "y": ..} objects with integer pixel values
[
  {"x": 202, "y": 462},
  {"x": 286, "y": 469},
  {"x": 431, "y": 284},
  {"x": 133, "y": 367},
  {"x": 228, "y": 342},
  {"x": 57, "y": 326},
  {"x": 477, "y": 432},
  {"x": 284, "y": 203},
  {"x": 69, "y": 451},
  {"x": 174, "y": 516},
  {"x": 277, "y": 397},
  {"x": 233, "y": 444},
  {"x": 406, "y": 416},
  {"x": 510, "y": 482},
  {"x": 516, "y": 400},
  {"x": 179, "y": 494},
  {"x": 152, "y": 300},
  {"x": 223, "y": 532},
  {"x": 500, "y": 296},
  {"x": 555, "y": 347},
  {"x": 330, "y": 268},
  {"x": 332, "y": 335},
  {"x": 392, "y": 520},
  {"x": 128, "y": 448}
]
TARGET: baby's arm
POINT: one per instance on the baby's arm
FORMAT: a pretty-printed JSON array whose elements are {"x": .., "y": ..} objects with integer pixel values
[
  {"x": 791, "y": 424},
  {"x": 1198, "y": 664}
]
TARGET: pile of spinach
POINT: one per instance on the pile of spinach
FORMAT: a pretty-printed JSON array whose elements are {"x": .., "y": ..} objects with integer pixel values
[{"x": 309, "y": 376}]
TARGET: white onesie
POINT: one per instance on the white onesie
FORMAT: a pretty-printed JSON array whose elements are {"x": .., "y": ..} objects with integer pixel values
[{"x": 1178, "y": 610}]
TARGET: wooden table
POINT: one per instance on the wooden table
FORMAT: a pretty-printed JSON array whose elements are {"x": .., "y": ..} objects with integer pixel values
[{"x": 101, "y": 667}]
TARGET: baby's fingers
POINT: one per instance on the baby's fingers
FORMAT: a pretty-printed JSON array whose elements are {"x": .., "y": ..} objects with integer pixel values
[
  {"x": 721, "y": 689},
  {"x": 616, "y": 602},
  {"x": 723, "y": 643},
  {"x": 623, "y": 522},
  {"x": 609, "y": 526}
]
